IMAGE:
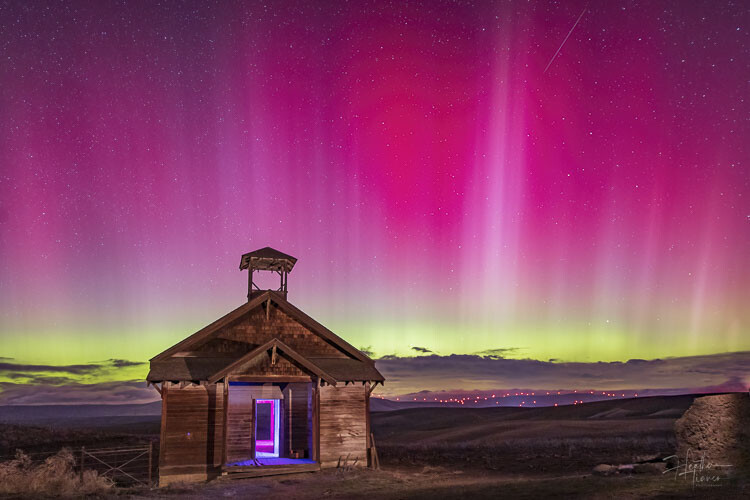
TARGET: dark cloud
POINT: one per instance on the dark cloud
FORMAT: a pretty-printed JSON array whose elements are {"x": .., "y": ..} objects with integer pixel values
[
  {"x": 423, "y": 350},
  {"x": 499, "y": 353},
  {"x": 120, "y": 392},
  {"x": 124, "y": 363},
  {"x": 457, "y": 371},
  {"x": 49, "y": 384},
  {"x": 17, "y": 369},
  {"x": 367, "y": 351},
  {"x": 30, "y": 378},
  {"x": 74, "y": 369}
]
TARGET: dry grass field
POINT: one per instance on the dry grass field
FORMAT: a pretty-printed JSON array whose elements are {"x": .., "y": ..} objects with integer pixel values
[
  {"x": 569, "y": 439},
  {"x": 489, "y": 453}
]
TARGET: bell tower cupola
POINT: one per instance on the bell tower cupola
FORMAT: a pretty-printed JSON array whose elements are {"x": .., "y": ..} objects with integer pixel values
[{"x": 267, "y": 259}]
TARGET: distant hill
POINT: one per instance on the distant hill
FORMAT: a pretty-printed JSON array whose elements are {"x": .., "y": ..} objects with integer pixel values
[
  {"x": 48, "y": 414},
  {"x": 646, "y": 407},
  {"x": 642, "y": 407},
  {"x": 51, "y": 413},
  {"x": 649, "y": 416},
  {"x": 377, "y": 404}
]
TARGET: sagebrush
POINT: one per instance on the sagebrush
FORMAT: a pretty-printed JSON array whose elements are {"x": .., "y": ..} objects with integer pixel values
[{"x": 55, "y": 476}]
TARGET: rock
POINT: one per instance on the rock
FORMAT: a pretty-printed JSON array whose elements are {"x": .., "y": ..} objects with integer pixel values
[
  {"x": 648, "y": 458},
  {"x": 715, "y": 427},
  {"x": 650, "y": 468},
  {"x": 626, "y": 468},
  {"x": 605, "y": 470}
]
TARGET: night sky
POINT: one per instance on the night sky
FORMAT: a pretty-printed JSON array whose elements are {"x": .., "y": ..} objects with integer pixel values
[{"x": 447, "y": 198}]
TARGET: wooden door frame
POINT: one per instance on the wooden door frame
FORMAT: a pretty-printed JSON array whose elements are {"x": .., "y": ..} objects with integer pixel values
[
  {"x": 316, "y": 421},
  {"x": 252, "y": 429},
  {"x": 314, "y": 387}
]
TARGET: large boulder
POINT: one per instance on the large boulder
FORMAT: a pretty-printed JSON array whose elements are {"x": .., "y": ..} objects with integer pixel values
[{"x": 716, "y": 429}]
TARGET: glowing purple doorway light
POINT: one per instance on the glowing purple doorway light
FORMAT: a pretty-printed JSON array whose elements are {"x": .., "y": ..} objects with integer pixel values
[{"x": 268, "y": 444}]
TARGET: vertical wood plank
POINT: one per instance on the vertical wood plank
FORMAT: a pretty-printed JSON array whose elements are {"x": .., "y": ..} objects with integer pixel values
[
  {"x": 342, "y": 424},
  {"x": 226, "y": 416},
  {"x": 249, "y": 283},
  {"x": 163, "y": 433},
  {"x": 316, "y": 421},
  {"x": 252, "y": 431},
  {"x": 239, "y": 425},
  {"x": 289, "y": 421},
  {"x": 367, "y": 424}
]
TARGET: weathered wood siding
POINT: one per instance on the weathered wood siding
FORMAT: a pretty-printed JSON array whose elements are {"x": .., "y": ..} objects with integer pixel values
[
  {"x": 192, "y": 431},
  {"x": 262, "y": 366},
  {"x": 297, "y": 401},
  {"x": 255, "y": 328},
  {"x": 343, "y": 424},
  {"x": 239, "y": 425}
]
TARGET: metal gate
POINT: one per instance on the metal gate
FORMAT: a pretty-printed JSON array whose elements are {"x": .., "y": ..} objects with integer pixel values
[{"x": 132, "y": 466}]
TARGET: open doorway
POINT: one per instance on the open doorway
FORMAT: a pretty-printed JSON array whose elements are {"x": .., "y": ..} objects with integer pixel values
[
  {"x": 269, "y": 424},
  {"x": 267, "y": 413}
]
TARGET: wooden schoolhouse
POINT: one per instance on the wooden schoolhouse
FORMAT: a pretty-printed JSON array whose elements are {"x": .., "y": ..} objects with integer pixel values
[{"x": 265, "y": 389}]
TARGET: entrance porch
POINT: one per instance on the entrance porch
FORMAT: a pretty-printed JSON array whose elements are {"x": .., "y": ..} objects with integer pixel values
[{"x": 269, "y": 428}]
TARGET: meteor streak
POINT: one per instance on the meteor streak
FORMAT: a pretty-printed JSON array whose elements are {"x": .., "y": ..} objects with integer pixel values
[{"x": 565, "y": 40}]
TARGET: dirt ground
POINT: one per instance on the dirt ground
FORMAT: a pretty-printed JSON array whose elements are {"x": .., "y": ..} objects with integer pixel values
[{"x": 439, "y": 482}]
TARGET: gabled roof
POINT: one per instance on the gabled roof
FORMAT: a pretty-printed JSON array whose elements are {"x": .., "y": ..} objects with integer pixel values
[
  {"x": 268, "y": 259},
  {"x": 317, "y": 328},
  {"x": 285, "y": 306},
  {"x": 212, "y": 369},
  {"x": 213, "y": 327},
  {"x": 263, "y": 349},
  {"x": 178, "y": 369}
]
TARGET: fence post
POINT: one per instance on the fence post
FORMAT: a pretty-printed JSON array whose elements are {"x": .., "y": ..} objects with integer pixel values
[
  {"x": 374, "y": 452},
  {"x": 83, "y": 452},
  {"x": 150, "y": 453}
]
